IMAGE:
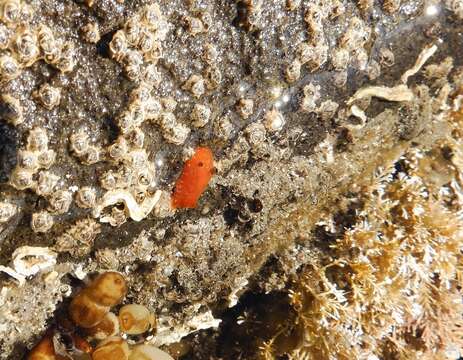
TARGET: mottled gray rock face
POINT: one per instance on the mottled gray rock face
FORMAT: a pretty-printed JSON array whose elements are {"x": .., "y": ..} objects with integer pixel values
[{"x": 107, "y": 99}]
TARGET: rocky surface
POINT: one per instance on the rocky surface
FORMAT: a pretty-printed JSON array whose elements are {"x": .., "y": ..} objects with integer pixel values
[{"x": 265, "y": 85}]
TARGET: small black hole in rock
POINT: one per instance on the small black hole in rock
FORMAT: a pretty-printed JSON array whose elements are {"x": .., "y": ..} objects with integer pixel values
[{"x": 102, "y": 46}]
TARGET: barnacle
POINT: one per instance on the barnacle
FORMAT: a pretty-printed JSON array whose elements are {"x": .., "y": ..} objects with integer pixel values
[
  {"x": 200, "y": 115},
  {"x": 91, "y": 33},
  {"x": 79, "y": 142},
  {"x": 86, "y": 197},
  {"x": 293, "y": 71},
  {"x": 152, "y": 16},
  {"x": 37, "y": 140},
  {"x": 245, "y": 108},
  {"x": 46, "y": 40},
  {"x": 195, "y": 25},
  {"x": 28, "y": 160},
  {"x": 67, "y": 60},
  {"x": 196, "y": 85},
  {"x": 274, "y": 120},
  {"x": 79, "y": 238},
  {"x": 21, "y": 179},
  {"x": 9, "y": 67},
  {"x": 42, "y": 221},
  {"x": 10, "y": 11},
  {"x": 46, "y": 158},
  {"x": 26, "y": 47},
  {"x": 4, "y": 37},
  {"x": 210, "y": 53},
  {"x": 60, "y": 201},
  {"x": 48, "y": 96},
  {"x": 46, "y": 183},
  {"x": 256, "y": 134}
]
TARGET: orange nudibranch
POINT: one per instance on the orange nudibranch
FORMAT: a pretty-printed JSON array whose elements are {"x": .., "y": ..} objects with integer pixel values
[{"x": 194, "y": 179}]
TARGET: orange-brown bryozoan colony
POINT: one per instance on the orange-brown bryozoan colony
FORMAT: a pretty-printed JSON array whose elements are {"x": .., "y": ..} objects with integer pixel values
[{"x": 195, "y": 177}]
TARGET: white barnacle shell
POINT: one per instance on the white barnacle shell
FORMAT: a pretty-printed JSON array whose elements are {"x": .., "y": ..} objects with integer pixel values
[
  {"x": 118, "y": 149},
  {"x": 146, "y": 41},
  {"x": 26, "y": 47},
  {"x": 67, "y": 59},
  {"x": 41, "y": 222},
  {"x": 7, "y": 211},
  {"x": 132, "y": 29},
  {"x": 79, "y": 142},
  {"x": 152, "y": 16},
  {"x": 9, "y": 68},
  {"x": 223, "y": 128},
  {"x": 177, "y": 135},
  {"x": 195, "y": 25},
  {"x": 30, "y": 260},
  {"x": 91, "y": 33},
  {"x": 151, "y": 75},
  {"x": 86, "y": 197},
  {"x": 4, "y": 37},
  {"x": 196, "y": 85},
  {"x": 200, "y": 115},
  {"x": 135, "y": 211},
  {"x": 10, "y": 11},
  {"x": 340, "y": 58},
  {"x": 135, "y": 138},
  {"x": 137, "y": 159},
  {"x": 60, "y": 201},
  {"x": 152, "y": 109},
  {"x": 48, "y": 96},
  {"x": 21, "y": 179},
  {"x": 46, "y": 39},
  {"x": 256, "y": 134},
  {"x": 274, "y": 120},
  {"x": 213, "y": 77},
  {"x": 210, "y": 53},
  {"x": 118, "y": 45},
  {"x": 46, "y": 183},
  {"x": 37, "y": 140},
  {"x": 46, "y": 158},
  {"x": 141, "y": 93},
  {"x": 293, "y": 71},
  {"x": 245, "y": 108},
  {"x": 28, "y": 160}
]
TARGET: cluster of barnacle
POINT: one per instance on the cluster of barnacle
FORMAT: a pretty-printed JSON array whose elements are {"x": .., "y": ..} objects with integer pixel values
[
  {"x": 138, "y": 46},
  {"x": 366, "y": 6},
  {"x": 314, "y": 51},
  {"x": 90, "y": 310},
  {"x": 79, "y": 238},
  {"x": 248, "y": 14},
  {"x": 21, "y": 45},
  {"x": 81, "y": 146},
  {"x": 28, "y": 174}
]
